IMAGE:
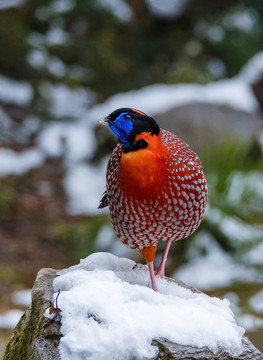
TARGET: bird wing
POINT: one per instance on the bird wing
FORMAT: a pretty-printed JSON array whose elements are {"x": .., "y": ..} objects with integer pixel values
[
  {"x": 103, "y": 201},
  {"x": 111, "y": 168}
]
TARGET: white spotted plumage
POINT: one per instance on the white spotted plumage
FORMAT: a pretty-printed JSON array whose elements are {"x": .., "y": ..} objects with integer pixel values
[{"x": 174, "y": 213}]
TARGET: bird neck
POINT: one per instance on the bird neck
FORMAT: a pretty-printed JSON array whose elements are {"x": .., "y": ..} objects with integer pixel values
[{"x": 143, "y": 172}]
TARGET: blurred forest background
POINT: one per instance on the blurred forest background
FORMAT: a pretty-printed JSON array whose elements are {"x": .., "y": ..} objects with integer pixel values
[{"x": 197, "y": 67}]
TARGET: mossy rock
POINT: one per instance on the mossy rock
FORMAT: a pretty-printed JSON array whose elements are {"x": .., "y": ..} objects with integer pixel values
[
  {"x": 35, "y": 338},
  {"x": 32, "y": 339}
]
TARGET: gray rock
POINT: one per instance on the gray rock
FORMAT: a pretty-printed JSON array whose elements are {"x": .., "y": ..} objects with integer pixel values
[
  {"x": 35, "y": 338},
  {"x": 203, "y": 125}
]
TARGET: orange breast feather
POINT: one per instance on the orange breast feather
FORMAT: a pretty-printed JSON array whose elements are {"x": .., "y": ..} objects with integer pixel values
[{"x": 142, "y": 173}]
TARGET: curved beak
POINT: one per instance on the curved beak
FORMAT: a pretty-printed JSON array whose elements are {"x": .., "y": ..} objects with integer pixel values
[{"x": 104, "y": 121}]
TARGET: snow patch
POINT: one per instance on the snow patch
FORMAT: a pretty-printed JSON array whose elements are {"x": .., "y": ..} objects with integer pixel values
[
  {"x": 167, "y": 8},
  {"x": 97, "y": 295},
  {"x": 15, "y": 92},
  {"x": 22, "y": 297},
  {"x": 118, "y": 7},
  {"x": 5, "y": 4},
  {"x": 214, "y": 268},
  {"x": 255, "y": 255},
  {"x": 253, "y": 70},
  {"x": 10, "y": 319},
  {"x": 85, "y": 185},
  {"x": 66, "y": 102},
  {"x": 256, "y": 302},
  {"x": 73, "y": 140},
  {"x": 12, "y": 162},
  {"x": 156, "y": 99}
]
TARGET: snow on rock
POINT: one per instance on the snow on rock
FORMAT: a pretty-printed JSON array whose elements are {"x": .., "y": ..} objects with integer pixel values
[
  {"x": 108, "y": 309},
  {"x": 12, "y": 162},
  {"x": 159, "y": 98},
  {"x": 253, "y": 70}
]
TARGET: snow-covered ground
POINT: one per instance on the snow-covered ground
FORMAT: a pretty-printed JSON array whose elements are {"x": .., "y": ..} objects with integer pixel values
[
  {"x": 110, "y": 304},
  {"x": 210, "y": 267},
  {"x": 75, "y": 139}
]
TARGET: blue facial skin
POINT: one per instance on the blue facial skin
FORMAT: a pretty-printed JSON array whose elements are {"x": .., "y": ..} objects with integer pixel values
[{"x": 122, "y": 128}]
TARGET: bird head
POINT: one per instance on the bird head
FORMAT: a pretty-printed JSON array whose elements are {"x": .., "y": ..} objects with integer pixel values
[{"x": 128, "y": 123}]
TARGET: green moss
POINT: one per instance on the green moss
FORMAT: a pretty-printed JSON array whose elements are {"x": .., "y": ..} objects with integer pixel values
[
  {"x": 28, "y": 329},
  {"x": 164, "y": 353},
  {"x": 18, "y": 345}
]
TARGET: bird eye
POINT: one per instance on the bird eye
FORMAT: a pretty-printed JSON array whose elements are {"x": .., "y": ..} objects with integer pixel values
[{"x": 127, "y": 117}]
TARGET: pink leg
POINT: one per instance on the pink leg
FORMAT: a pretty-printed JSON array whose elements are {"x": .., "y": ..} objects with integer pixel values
[
  {"x": 160, "y": 270},
  {"x": 151, "y": 271}
]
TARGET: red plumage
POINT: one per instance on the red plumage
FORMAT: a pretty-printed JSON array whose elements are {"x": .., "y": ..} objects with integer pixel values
[{"x": 155, "y": 193}]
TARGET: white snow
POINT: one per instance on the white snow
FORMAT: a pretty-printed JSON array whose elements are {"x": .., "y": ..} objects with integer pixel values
[
  {"x": 5, "y": 4},
  {"x": 105, "y": 237},
  {"x": 85, "y": 186},
  {"x": 233, "y": 227},
  {"x": 256, "y": 302},
  {"x": 66, "y": 102},
  {"x": 62, "y": 6},
  {"x": 210, "y": 267},
  {"x": 255, "y": 255},
  {"x": 241, "y": 184},
  {"x": 155, "y": 99},
  {"x": 56, "y": 36},
  {"x": 167, "y": 8},
  {"x": 248, "y": 321},
  {"x": 109, "y": 311},
  {"x": 10, "y": 319},
  {"x": 252, "y": 71},
  {"x": 12, "y": 162},
  {"x": 118, "y": 7},
  {"x": 74, "y": 140},
  {"x": 56, "y": 66},
  {"x": 243, "y": 20},
  {"x": 22, "y": 297},
  {"x": 215, "y": 33},
  {"x": 15, "y": 92}
]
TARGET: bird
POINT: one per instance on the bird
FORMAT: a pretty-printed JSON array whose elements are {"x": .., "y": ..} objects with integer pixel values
[{"x": 155, "y": 186}]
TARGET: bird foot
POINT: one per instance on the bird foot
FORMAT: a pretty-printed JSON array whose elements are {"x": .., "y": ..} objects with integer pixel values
[{"x": 159, "y": 273}]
